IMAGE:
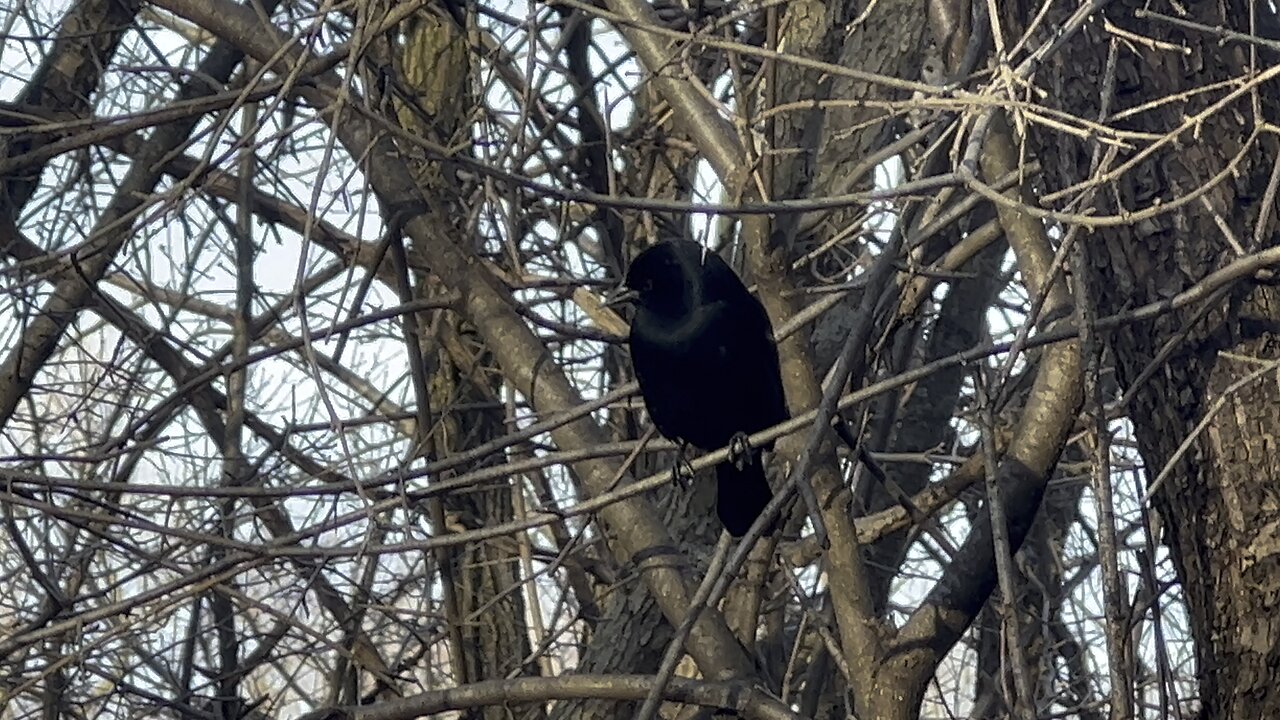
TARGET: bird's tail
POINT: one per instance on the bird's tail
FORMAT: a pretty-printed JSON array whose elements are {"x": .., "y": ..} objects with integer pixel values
[{"x": 741, "y": 495}]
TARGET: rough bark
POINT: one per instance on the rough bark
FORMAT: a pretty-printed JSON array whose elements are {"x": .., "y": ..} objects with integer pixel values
[
  {"x": 1220, "y": 503},
  {"x": 65, "y": 81},
  {"x": 890, "y": 41},
  {"x": 633, "y": 634}
]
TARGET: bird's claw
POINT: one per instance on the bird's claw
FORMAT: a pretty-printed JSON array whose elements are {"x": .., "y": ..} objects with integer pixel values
[
  {"x": 739, "y": 451},
  {"x": 682, "y": 473}
]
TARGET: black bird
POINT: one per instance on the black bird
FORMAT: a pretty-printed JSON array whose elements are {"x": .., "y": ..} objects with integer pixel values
[{"x": 703, "y": 351}]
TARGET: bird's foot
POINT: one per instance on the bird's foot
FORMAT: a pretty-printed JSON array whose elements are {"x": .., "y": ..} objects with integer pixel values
[
  {"x": 682, "y": 471},
  {"x": 739, "y": 451}
]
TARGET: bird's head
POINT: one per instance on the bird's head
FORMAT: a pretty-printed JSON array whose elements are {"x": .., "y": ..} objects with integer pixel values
[{"x": 666, "y": 278}]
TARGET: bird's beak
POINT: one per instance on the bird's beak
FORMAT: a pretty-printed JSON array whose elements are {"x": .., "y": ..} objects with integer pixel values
[{"x": 621, "y": 296}]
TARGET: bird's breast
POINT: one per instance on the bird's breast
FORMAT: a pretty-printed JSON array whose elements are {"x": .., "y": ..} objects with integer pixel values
[
  {"x": 681, "y": 335},
  {"x": 702, "y": 376}
]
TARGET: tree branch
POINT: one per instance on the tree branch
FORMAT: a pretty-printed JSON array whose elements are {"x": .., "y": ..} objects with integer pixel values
[
  {"x": 746, "y": 700},
  {"x": 489, "y": 306}
]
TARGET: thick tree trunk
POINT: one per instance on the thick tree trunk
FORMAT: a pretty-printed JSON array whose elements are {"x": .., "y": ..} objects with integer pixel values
[{"x": 1216, "y": 391}]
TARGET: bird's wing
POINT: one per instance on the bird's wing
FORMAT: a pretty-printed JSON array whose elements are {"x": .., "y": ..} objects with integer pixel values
[
  {"x": 774, "y": 397},
  {"x": 747, "y": 374}
]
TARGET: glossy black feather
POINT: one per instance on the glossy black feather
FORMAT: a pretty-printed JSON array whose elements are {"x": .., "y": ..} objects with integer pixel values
[{"x": 703, "y": 351}]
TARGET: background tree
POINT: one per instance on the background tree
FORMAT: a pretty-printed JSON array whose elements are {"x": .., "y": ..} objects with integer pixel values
[{"x": 309, "y": 405}]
